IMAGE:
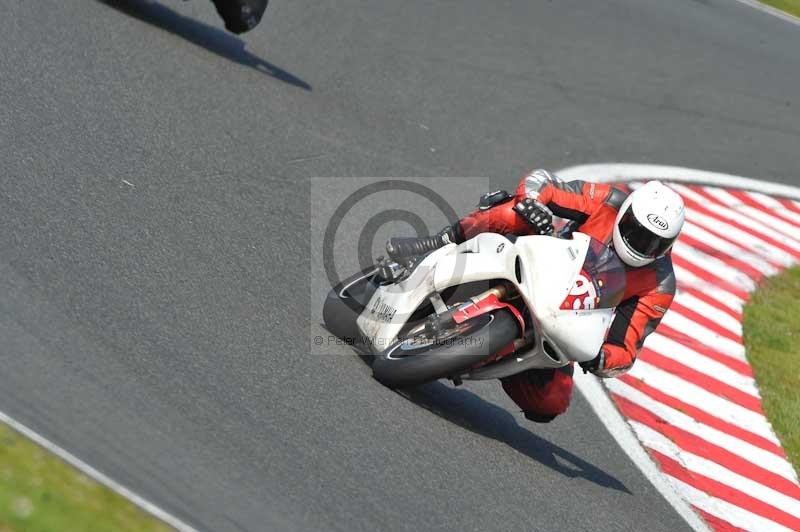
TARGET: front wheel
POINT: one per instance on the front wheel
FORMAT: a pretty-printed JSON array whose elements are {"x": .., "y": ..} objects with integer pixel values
[
  {"x": 344, "y": 304},
  {"x": 419, "y": 358}
]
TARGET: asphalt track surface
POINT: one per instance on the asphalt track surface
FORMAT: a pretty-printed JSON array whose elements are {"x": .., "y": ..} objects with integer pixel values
[{"x": 160, "y": 331}]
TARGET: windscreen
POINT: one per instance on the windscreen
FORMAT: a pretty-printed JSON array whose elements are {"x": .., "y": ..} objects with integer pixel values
[{"x": 601, "y": 281}]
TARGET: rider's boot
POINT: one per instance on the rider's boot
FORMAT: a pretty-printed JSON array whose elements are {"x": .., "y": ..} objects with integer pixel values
[
  {"x": 241, "y": 15},
  {"x": 403, "y": 248},
  {"x": 541, "y": 393}
]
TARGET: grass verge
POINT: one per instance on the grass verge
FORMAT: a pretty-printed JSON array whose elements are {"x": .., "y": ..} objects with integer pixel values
[
  {"x": 772, "y": 338},
  {"x": 39, "y": 492},
  {"x": 790, "y": 6}
]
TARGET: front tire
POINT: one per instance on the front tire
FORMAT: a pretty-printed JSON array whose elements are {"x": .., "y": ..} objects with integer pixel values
[
  {"x": 344, "y": 304},
  {"x": 410, "y": 361}
]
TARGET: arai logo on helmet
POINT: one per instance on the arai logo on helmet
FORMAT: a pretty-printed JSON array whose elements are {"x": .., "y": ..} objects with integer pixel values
[{"x": 658, "y": 222}]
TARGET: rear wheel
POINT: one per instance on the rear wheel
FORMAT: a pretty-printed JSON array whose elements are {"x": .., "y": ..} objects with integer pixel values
[{"x": 420, "y": 356}]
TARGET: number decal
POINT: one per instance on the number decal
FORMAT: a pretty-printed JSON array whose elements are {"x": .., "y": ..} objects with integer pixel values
[{"x": 582, "y": 295}]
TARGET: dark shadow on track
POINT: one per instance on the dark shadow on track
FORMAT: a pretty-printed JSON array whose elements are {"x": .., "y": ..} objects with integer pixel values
[
  {"x": 475, "y": 414},
  {"x": 213, "y": 39}
]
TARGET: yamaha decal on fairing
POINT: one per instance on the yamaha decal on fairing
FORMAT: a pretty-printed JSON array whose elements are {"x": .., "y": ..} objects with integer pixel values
[{"x": 381, "y": 311}]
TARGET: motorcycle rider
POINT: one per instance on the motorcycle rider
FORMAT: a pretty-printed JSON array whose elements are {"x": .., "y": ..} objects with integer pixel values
[
  {"x": 241, "y": 15},
  {"x": 641, "y": 227}
]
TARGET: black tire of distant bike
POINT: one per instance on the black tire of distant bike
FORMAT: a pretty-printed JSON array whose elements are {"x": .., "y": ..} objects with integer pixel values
[{"x": 402, "y": 366}]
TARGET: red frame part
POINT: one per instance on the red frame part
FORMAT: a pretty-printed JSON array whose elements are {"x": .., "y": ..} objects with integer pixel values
[{"x": 487, "y": 304}]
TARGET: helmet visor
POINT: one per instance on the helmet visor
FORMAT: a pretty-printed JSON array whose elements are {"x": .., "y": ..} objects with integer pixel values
[{"x": 641, "y": 239}]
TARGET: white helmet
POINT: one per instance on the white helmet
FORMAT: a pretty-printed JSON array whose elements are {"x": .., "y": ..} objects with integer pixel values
[{"x": 648, "y": 223}]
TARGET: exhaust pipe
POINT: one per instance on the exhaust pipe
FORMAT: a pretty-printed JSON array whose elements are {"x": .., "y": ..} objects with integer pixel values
[{"x": 500, "y": 291}]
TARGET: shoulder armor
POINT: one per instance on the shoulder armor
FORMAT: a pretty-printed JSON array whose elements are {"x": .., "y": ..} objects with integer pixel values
[
  {"x": 576, "y": 187},
  {"x": 616, "y": 198},
  {"x": 538, "y": 179}
]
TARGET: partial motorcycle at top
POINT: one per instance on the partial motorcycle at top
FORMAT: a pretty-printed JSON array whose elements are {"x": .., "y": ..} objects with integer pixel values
[
  {"x": 241, "y": 16},
  {"x": 490, "y": 307}
]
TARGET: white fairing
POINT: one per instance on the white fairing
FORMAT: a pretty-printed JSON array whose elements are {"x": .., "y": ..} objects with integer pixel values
[{"x": 549, "y": 268}]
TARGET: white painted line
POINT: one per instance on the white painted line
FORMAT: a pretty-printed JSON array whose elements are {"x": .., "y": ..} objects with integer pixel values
[
  {"x": 753, "y": 243},
  {"x": 765, "y": 459},
  {"x": 692, "y": 359},
  {"x": 713, "y": 265},
  {"x": 725, "y": 211},
  {"x": 655, "y": 440},
  {"x": 723, "y": 319},
  {"x": 751, "y": 212},
  {"x": 735, "y": 515},
  {"x": 611, "y": 172},
  {"x": 776, "y": 206},
  {"x": 773, "y": 221},
  {"x": 605, "y": 409},
  {"x": 775, "y": 12},
  {"x": 725, "y": 346},
  {"x": 89, "y": 471},
  {"x": 723, "y": 246},
  {"x": 733, "y": 215},
  {"x": 687, "y": 278},
  {"x": 703, "y": 399}
]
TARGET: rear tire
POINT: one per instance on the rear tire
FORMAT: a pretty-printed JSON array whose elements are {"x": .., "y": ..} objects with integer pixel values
[{"x": 400, "y": 367}]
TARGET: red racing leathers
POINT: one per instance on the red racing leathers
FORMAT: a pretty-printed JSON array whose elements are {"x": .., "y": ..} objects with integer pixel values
[{"x": 543, "y": 394}]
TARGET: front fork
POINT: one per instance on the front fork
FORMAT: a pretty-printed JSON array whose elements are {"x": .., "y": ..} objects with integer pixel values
[
  {"x": 487, "y": 301},
  {"x": 482, "y": 303}
]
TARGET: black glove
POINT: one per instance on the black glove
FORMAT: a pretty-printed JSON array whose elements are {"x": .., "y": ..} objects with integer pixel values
[
  {"x": 403, "y": 248},
  {"x": 536, "y": 214},
  {"x": 591, "y": 366}
]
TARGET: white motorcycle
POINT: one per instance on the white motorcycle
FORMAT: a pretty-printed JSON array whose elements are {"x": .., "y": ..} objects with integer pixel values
[{"x": 488, "y": 308}]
